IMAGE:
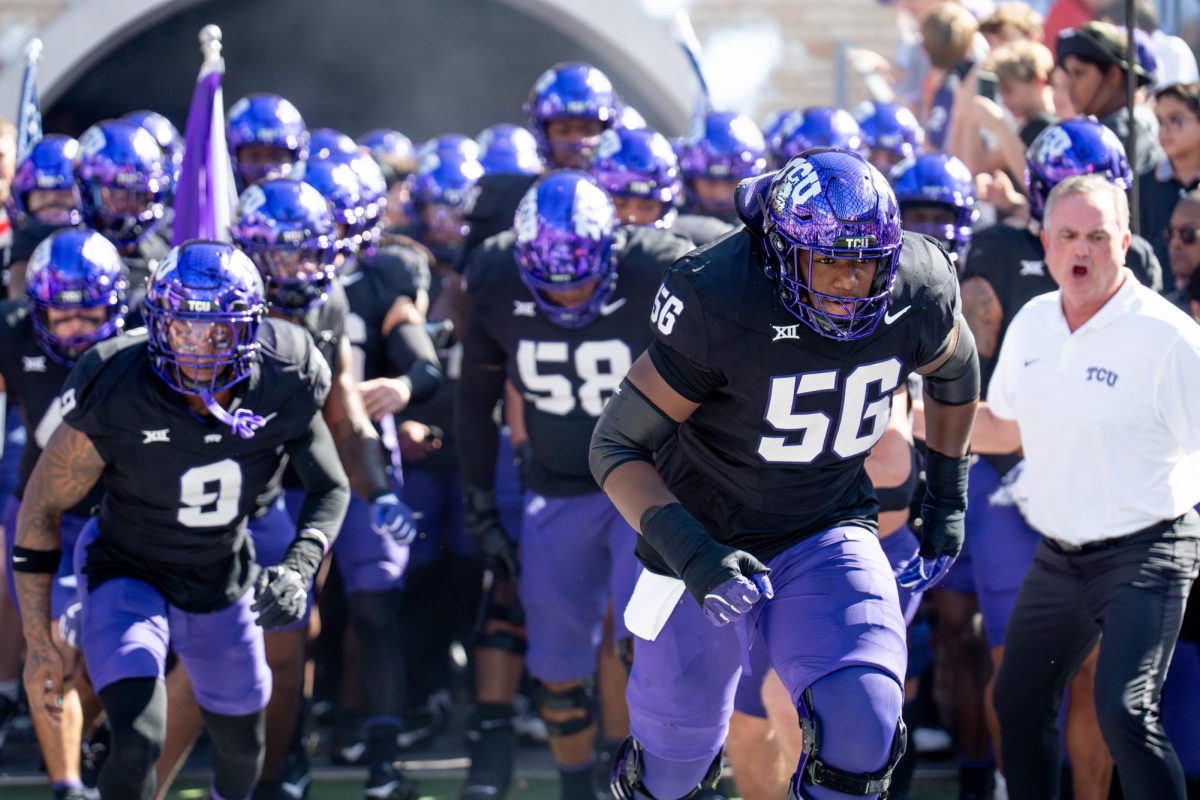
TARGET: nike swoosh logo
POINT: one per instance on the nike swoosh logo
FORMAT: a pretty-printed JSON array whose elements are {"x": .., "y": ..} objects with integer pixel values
[
  {"x": 609, "y": 308},
  {"x": 889, "y": 318},
  {"x": 19, "y": 559}
]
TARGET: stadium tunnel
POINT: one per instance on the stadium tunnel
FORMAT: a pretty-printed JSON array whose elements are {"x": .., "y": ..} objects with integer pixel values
[{"x": 424, "y": 67}]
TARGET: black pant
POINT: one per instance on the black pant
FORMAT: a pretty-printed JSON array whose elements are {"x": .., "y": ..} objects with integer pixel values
[{"x": 1132, "y": 591}]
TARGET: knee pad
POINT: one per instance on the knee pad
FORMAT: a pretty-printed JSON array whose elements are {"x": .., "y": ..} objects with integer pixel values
[
  {"x": 581, "y": 697},
  {"x": 629, "y": 765},
  {"x": 815, "y": 772},
  {"x": 509, "y": 612}
]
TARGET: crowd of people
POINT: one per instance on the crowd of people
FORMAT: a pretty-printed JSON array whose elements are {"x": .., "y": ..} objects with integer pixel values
[{"x": 667, "y": 452}]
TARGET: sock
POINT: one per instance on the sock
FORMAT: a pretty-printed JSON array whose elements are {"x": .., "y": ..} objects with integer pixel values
[{"x": 576, "y": 781}]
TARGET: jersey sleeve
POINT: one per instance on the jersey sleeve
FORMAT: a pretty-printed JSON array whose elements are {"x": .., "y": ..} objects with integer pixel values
[
  {"x": 941, "y": 309},
  {"x": 84, "y": 401},
  {"x": 680, "y": 349}
]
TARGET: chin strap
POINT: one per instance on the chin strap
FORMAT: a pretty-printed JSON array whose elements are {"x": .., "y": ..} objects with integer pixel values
[{"x": 243, "y": 422}]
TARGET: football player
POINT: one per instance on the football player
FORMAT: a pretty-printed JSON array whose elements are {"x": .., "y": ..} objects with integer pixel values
[
  {"x": 736, "y": 447},
  {"x": 553, "y": 306},
  {"x": 890, "y": 132},
  {"x": 75, "y": 296},
  {"x": 44, "y": 198},
  {"x": 936, "y": 193},
  {"x": 125, "y": 184},
  {"x": 721, "y": 150},
  {"x": 267, "y": 138},
  {"x": 569, "y": 106},
  {"x": 821, "y": 126},
  {"x": 302, "y": 286},
  {"x": 186, "y": 426}
]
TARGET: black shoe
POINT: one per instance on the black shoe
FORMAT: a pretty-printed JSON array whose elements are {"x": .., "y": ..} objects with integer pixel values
[
  {"x": 271, "y": 790},
  {"x": 95, "y": 753},
  {"x": 385, "y": 782},
  {"x": 70, "y": 794},
  {"x": 491, "y": 745},
  {"x": 417, "y": 729},
  {"x": 295, "y": 776},
  {"x": 976, "y": 783},
  {"x": 348, "y": 745}
]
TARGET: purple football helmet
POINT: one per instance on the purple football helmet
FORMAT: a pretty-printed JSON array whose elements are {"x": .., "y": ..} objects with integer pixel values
[
  {"x": 508, "y": 150},
  {"x": 630, "y": 118},
  {"x": 286, "y": 229},
  {"x": 203, "y": 307},
  {"x": 831, "y": 204},
  {"x": 565, "y": 236},
  {"x": 820, "y": 126},
  {"x": 449, "y": 145},
  {"x": 339, "y": 184},
  {"x": 271, "y": 123},
  {"x": 372, "y": 197},
  {"x": 328, "y": 142},
  {"x": 638, "y": 163},
  {"x": 48, "y": 166},
  {"x": 164, "y": 133},
  {"x": 1079, "y": 146},
  {"x": 721, "y": 147},
  {"x": 392, "y": 148},
  {"x": 943, "y": 182},
  {"x": 439, "y": 191},
  {"x": 570, "y": 90},
  {"x": 124, "y": 181},
  {"x": 892, "y": 130},
  {"x": 75, "y": 269},
  {"x": 774, "y": 121}
]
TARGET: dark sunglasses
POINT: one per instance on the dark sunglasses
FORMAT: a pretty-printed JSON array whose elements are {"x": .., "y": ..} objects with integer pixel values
[{"x": 1186, "y": 235}]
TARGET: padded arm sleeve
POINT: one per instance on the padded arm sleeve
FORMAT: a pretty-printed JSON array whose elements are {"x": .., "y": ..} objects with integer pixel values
[
  {"x": 630, "y": 429},
  {"x": 956, "y": 381}
]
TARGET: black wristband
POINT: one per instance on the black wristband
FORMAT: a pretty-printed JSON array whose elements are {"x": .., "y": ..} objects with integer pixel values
[
  {"x": 675, "y": 534},
  {"x": 306, "y": 552},
  {"x": 946, "y": 479},
  {"x": 36, "y": 562}
]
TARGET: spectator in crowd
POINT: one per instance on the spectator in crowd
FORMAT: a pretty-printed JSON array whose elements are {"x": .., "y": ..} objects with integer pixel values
[
  {"x": 1178, "y": 171},
  {"x": 1193, "y": 289},
  {"x": 1094, "y": 57},
  {"x": 1176, "y": 61},
  {"x": 948, "y": 36},
  {"x": 1182, "y": 236},
  {"x": 1011, "y": 22}
]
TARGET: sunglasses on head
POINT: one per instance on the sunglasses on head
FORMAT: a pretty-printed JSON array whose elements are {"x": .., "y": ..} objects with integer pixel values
[{"x": 1186, "y": 235}]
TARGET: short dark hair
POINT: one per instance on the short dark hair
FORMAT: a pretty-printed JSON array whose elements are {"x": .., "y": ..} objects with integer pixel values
[{"x": 1186, "y": 93}]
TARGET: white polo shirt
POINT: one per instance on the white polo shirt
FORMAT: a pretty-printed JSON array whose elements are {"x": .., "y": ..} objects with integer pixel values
[{"x": 1109, "y": 414}]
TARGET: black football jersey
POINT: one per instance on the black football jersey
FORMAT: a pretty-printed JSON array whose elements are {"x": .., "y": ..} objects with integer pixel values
[
  {"x": 371, "y": 290},
  {"x": 180, "y": 486},
  {"x": 1012, "y": 261},
  {"x": 565, "y": 376},
  {"x": 776, "y": 450},
  {"x": 490, "y": 208},
  {"x": 34, "y": 380}
]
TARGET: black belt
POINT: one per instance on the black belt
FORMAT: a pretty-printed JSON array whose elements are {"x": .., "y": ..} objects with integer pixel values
[{"x": 1069, "y": 549}]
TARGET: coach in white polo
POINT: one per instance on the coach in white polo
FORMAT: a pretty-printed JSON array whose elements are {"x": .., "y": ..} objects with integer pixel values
[{"x": 1099, "y": 382}]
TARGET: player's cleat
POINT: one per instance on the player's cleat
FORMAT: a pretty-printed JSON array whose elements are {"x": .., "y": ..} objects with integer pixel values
[
  {"x": 348, "y": 747},
  {"x": 295, "y": 776},
  {"x": 528, "y": 725},
  {"x": 70, "y": 793},
  {"x": 273, "y": 790},
  {"x": 95, "y": 752},
  {"x": 385, "y": 782},
  {"x": 491, "y": 743}
]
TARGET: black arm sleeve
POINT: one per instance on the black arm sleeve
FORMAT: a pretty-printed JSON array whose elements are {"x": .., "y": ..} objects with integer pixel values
[
  {"x": 479, "y": 389},
  {"x": 326, "y": 489},
  {"x": 956, "y": 381},
  {"x": 413, "y": 356},
  {"x": 630, "y": 429}
]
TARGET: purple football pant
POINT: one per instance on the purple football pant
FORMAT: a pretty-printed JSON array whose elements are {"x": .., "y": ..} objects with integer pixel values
[
  {"x": 510, "y": 496},
  {"x": 64, "y": 590},
  {"x": 835, "y": 608},
  {"x": 127, "y": 626},
  {"x": 366, "y": 560},
  {"x": 1003, "y": 546},
  {"x": 438, "y": 497},
  {"x": 576, "y": 557},
  {"x": 273, "y": 533},
  {"x": 900, "y": 548},
  {"x": 1181, "y": 706}
]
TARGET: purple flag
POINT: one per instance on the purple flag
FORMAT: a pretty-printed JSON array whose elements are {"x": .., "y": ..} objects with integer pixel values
[{"x": 206, "y": 196}]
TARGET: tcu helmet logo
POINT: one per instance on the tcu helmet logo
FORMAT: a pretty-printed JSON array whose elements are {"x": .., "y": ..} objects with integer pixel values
[
  {"x": 92, "y": 141},
  {"x": 592, "y": 212},
  {"x": 1052, "y": 144},
  {"x": 252, "y": 200},
  {"x": 799, "y": 185},
  {"x": 525, "y": 224},
  {"x": 609, "y": 144}
]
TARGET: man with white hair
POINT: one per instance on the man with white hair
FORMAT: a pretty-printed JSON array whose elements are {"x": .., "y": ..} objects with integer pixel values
[{"x": 1094, "y": 382}]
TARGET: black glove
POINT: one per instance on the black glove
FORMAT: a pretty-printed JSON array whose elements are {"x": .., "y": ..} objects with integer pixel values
[
  {"x": 492, "y": 541},
  {"x": 702, "y": 563},
  {"x": 280, "y": 596},
  {"x": 945, "y": 505}
]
